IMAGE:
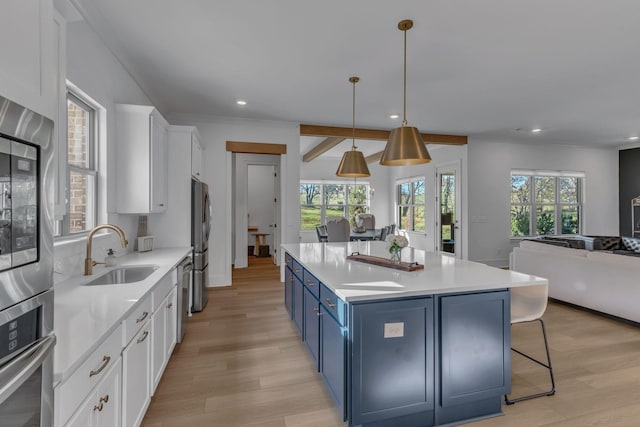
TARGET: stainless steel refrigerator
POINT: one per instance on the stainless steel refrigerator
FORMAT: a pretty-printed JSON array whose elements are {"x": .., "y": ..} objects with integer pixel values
[{"x": 200, "y": 229}]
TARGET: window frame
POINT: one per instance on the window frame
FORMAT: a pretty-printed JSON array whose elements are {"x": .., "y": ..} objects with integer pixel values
[
  {"x": 323, "y": 205},
  {"x": 412, "y": 205},
  {"x": 92, "y": 171},
  {"x": 557, "y": 204}
]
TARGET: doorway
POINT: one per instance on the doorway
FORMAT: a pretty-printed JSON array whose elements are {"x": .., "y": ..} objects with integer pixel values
[
  {"x": 448, "y": 221},
  {"x": 256, "y": 207},
  {"x": 262, "y": 210}
]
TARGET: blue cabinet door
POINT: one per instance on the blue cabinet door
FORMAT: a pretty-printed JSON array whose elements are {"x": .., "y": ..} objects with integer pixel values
[
  {"x": 312, "y": 325},
  {"x": 392, "y": 352},
  {"x": 288, "y": 284},
  {"x": 333, "y": 350},
  {"x": 298, "y": 301},
  {"x": 475, "y": 341}
]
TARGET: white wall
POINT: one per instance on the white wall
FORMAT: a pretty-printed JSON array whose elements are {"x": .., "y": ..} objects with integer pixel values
[
  {"x": 217, "y": 171},
  {"x": 324, "y": 169},
  {"x": 490, "y": 165},
  {"x": 93, "y": 69}
]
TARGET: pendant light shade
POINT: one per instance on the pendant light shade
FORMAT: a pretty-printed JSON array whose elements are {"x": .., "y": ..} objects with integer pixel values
[
  {"x": 353, "y": 164},
  {"x": 405, "y": 146}
]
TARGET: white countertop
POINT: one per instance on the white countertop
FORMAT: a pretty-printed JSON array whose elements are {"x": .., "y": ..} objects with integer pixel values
[
  {"x": 85, "y": 315},
  {"x": 357, "y": 281}
]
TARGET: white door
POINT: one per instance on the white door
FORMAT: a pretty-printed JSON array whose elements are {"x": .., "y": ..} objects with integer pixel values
[{"x": 448, "y": 222}]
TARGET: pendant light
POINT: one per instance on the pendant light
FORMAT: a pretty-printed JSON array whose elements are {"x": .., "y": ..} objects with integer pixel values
[
  {"x": 353, "y": 164},
  {"x": 405, "y": 146}
]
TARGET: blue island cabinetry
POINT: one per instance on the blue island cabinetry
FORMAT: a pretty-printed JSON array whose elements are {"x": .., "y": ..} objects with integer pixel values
[{"x": 413, "y": 361}]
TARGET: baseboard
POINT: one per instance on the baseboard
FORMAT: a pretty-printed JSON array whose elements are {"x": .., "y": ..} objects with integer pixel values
[{"x": 599, "y": 313}]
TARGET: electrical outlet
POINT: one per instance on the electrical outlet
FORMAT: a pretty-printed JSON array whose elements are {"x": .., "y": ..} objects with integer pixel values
[{"x": 394, "y": 330}]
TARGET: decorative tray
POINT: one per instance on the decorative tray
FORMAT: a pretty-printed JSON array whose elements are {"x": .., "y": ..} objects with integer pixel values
[{"x": 384, "y": 262}]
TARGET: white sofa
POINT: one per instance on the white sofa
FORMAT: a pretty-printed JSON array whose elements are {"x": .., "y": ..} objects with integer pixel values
[{"x": 601, "y": 281}]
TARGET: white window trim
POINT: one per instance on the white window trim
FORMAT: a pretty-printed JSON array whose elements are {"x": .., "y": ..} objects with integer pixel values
[
  {"x": 555, "y": 174},
  {"x": 323, "y": 182},
  {"x": 408, "y": 180},
  {"x": 99, "y": 150}
]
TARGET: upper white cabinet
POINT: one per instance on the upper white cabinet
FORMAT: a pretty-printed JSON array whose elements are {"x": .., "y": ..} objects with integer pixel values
[
  {"x": 29, "y": 48},
  {"x": 142, "y": 162},
  {"x": 196, "y": 156}
]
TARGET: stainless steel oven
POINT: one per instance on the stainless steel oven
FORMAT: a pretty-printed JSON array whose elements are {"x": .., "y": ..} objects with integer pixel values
[
  {"x": 26, "y": 363},
  {"x": 26, "y": 267}
]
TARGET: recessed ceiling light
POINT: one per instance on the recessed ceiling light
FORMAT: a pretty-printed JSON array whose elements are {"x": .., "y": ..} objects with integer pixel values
[
  {"x": 633, "y": 138},
  {"x": 394, "y": 116},
  {"x": 240, "y": 102},
  {"x": 536, "y": 130}
]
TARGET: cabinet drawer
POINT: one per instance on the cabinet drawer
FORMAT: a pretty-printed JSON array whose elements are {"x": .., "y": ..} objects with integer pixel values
[
  {"x": 288, "y": 260},
  {"x": 297, "y": 268},
  {"x": 311, "y": 283},
  {"x": 333, "y": 304},
  {"x": 162, "y": 289},
  {"x": 135, "y": 320},
  {"x": 77, "y": 387}
]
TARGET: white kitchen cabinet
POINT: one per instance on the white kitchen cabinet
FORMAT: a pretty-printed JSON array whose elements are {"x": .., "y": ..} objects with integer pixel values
[
  {"x": 142, "y": 160},
  {"x": 164, "y": 336},
  {"x": 90, "y": 376},
  {"x": 102, "y": 407},
  {"x": 196, "y": 156},
  {"x": 136, "y": 377}
]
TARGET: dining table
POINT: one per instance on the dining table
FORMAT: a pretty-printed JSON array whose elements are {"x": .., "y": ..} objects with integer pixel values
[{"x": 368, "y": 234}]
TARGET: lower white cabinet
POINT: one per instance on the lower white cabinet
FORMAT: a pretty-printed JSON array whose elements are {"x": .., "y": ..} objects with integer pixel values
[
  {"x": 136, "y": 377},
  {"x": 102, "y": 407},
  {"x": 164, "y": 321},
  {"x": 113, "y": 386}
]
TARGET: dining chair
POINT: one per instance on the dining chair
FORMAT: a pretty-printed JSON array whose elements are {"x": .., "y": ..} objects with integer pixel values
[
  {"x": 366, "y": 220},
  {"x": 321, "y": 231},
  {"x": 528, "y": 304},
  {"x": 384, "y": 232},
  {"x": 338, "y": 230}
]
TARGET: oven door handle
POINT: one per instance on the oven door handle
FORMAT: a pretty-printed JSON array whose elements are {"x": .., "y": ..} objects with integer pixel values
[{"x": 16, "y": 372}]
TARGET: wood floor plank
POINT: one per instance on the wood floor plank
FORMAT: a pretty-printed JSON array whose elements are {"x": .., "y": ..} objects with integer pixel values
[{"x": 242, "y": 364}]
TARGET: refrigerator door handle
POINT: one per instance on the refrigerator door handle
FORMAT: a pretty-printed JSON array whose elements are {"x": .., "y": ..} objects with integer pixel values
[{"x": 207, "y": 215}]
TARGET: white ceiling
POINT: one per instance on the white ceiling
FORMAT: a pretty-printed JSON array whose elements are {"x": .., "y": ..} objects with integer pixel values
[{"x": 478, "y": 68}]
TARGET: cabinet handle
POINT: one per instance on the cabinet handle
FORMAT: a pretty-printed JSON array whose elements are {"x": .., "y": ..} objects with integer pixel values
[
  {"x": 310, "y": 283},
  {"x": 329, "y": 303},
  {"x": 98, "y": 407},
  {"x": 105, "y": 362},
  {"x": 169, "y": 306},
  {"x": 161, "y": 204},
  {"x": 104, "y": 398},
  {"x": 318, "y": 312},
  {"x": 141, "y": 318},
  {"x": 295, "y": 270},
  {"x": 144, "y": 337}
]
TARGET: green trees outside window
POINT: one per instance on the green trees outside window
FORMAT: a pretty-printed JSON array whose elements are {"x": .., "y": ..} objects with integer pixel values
[
  {"x": 320, "y": 202},
  {"x": 544, "y": 204}
]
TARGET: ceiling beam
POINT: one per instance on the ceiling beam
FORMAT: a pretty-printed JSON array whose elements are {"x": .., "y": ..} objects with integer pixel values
[
  {"x": 377, "y": 134},
  {"x": 323, "y": 147},
  {"x": 374, "y": 157}
]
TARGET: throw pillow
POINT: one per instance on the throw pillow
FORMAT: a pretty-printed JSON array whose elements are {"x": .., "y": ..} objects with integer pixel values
[{"x": 631, "y": 244}]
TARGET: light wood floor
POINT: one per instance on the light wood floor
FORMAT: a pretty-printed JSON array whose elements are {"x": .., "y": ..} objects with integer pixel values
[{"x": 242, "y": 364}]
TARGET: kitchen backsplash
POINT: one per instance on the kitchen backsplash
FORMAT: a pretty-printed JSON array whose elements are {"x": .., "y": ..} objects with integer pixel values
[{"x": 69, "y": 254}]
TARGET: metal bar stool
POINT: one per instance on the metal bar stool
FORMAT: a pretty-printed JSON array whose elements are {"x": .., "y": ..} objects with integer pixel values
[{"x": 528, "y": 304}]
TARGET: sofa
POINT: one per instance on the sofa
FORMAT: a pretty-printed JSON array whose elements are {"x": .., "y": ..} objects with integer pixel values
[{"x": 605, "y": 280}]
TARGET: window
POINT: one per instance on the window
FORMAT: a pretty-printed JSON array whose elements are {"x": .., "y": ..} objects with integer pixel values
[
  {"x": 410, "y": 205},
  {"x": 545, "y": 203},
  {"x": 320, "y": 202},
  {"x": 81, "y": 172}
]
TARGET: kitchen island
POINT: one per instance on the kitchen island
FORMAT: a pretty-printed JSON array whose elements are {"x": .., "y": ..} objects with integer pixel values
[{"x": 421, "y": 348}]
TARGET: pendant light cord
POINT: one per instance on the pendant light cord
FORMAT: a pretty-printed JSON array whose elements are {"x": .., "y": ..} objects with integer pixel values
[
  {"x": 353, "y": 140},
  {"x": 404, "y": 114}
]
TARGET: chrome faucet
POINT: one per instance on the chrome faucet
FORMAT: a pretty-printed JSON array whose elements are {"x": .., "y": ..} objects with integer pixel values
[{"x": 88, "y": 262}]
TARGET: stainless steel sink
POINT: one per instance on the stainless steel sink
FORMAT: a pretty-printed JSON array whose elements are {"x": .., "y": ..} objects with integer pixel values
[{"x": 124, "y": 275}]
